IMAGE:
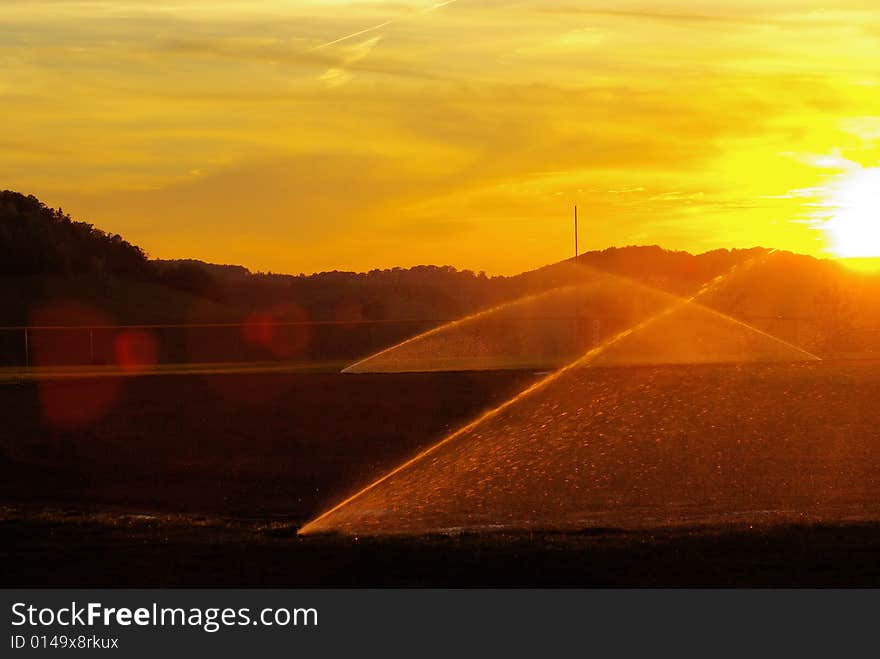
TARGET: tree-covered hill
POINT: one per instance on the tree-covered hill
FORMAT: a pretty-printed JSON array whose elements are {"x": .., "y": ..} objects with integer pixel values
[
  {"x": 46, "y": 255},
  {"x": 36, "y": 239}
]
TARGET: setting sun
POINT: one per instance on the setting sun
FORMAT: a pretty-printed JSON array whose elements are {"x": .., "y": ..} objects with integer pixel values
[
  {"x": 302, "y": 136},
  {"x": 854, "y": 226}
]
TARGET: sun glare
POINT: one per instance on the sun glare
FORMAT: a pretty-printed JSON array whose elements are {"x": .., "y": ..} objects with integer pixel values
[{"x": 853, "y": 227}]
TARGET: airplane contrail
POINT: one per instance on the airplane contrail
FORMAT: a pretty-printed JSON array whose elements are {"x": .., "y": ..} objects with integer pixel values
[
  {"x": 352, "y": 35},
  {"x": 367, "y": 30}
]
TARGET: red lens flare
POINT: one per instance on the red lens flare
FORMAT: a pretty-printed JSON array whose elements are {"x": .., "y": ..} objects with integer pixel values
[
  {"x": 136, "y": 351},
  {"x": 283, "y": 331},
  {"x": 259, "y": 329},
  {"x": 65, "y": 333}
]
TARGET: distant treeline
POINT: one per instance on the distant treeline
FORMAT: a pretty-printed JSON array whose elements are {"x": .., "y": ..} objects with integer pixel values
[
  {"x": 428, "y": 292},
  {"x": 46, "y": 255},
  {"x": 36, "y": 240}
]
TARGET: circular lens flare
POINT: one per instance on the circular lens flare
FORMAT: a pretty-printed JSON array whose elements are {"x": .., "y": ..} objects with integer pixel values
[
  {"x": 136, "y": 351},
  {"x": 62, "y": 334},
  {"x": 283, "y": 331}
]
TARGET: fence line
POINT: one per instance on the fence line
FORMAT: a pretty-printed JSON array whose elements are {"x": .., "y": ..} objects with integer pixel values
[
  {"x": 291, "y": 323},
  {"x": 228, "y": 341}
]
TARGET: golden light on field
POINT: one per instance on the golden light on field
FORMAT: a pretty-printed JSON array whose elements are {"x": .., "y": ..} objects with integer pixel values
[{"x": 304, "y": 135}]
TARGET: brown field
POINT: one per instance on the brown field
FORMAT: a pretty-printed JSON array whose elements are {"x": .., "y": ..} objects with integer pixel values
[
  {"x": 254, "y": 445},
  {"x": 204, "y": 479}
]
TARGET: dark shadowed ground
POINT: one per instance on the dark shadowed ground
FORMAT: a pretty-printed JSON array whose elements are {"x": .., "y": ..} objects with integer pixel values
[
  {"x": 250, "y": 445},
  {"x": 203, "y": 480},
  {"x": 109, "y": 550}
]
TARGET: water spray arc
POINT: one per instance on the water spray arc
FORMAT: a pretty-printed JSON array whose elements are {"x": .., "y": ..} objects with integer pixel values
[
  {"x": 496, "y": 338},
  {"x": 583, "y": 361},
  {"x": 352, "y": 368}
]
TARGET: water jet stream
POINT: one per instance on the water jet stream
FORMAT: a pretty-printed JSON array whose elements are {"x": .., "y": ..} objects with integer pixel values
[
  {"x": 493, "y": 338},
  {"x": 582, "y": 361},
  {"x": 352, "y": 368}
]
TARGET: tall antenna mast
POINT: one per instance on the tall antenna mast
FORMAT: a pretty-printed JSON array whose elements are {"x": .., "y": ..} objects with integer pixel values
[{"x": 575, "y": 234}]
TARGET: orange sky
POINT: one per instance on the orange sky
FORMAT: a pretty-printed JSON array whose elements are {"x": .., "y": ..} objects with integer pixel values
[{"x": 257, "y": 133}]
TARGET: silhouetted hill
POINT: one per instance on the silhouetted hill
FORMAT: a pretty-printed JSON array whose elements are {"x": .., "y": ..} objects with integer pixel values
[
  {"x": 674, "y": 271},
  {"x": 38, "y": 242},
  {"x": 430, "y": 292},
  {"x": 46, "y": 256},
  {"x": 36, "y": 239}
]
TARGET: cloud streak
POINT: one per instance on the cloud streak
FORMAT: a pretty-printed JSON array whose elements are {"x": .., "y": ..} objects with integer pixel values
[
  {"x": 380, "y": 26},
  {"x": 251, "y": 132}
]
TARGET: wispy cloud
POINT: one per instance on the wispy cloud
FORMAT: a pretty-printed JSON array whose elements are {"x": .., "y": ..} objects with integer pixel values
[
  {"x": 384, "y": 24},
  {"x": 647, "y": 15},
  {"x": 338, "y": 75},
  {"x": 675, "y": 126}
]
